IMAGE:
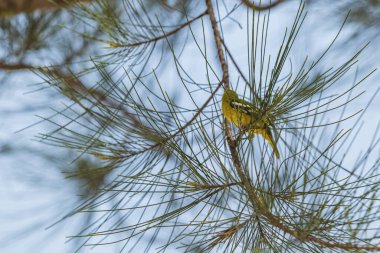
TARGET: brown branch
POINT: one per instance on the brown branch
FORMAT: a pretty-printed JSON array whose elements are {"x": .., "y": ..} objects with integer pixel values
[
  {"x": 300, "y": 235},
  {"x": 163, "y": 36},
  {"x": 230, "y": 139},
  {"x": 232, "y": 142},
  {"x": 260, "y": 7},
  {"x": 225, "y": 235},
  {"x": 13, "y": 7},
  {"x": 217, "y": 37},
  {"x": 14, "y": 67}
]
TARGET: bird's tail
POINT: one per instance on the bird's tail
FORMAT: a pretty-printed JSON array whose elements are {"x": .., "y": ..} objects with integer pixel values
[{"x": 267, "y": 134}]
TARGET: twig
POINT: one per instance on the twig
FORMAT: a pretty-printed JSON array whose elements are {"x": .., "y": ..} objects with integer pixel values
[
  {"x": 13, "y": 7},
  {"x": 232, "y": 142},
  {"x": 260, "y": 7},
  {"x": 217, "y": 37},
  {"x": 165, "y": 35},
  {"x": 300, "y": 235},
  {"x": 14, "y": 67}
]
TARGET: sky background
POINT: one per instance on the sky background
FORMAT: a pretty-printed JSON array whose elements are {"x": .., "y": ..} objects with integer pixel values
[{"x": 33, "y": 191}]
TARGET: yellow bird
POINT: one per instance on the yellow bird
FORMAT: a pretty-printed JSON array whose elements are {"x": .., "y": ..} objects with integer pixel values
[{"x": 247, "y": 117}]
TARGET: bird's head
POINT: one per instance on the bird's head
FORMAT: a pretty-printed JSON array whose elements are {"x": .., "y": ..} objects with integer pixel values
[{"x": 229, "y": 95}]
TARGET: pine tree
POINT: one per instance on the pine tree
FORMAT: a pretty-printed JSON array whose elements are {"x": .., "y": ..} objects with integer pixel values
[{"x": 159, "y": 167}]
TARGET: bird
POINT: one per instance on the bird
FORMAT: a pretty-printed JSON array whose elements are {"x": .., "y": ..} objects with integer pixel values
[{"x": 248, "y": 117}]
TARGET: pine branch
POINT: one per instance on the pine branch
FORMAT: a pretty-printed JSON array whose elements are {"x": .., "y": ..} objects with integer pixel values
[
  {"x": 232, "y": 142},
  {"x": 209, "y": 167},
  {"x": 218, "y": 41},
  {"x": 14, "y": 7},
  {"x": 14, "y": 67},
  {"x": 261, "y": 7},
  {"x": 165, "y": 35}
]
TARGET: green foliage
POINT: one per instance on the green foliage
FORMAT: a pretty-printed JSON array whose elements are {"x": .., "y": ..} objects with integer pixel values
[{"x": 168, "y": 174}]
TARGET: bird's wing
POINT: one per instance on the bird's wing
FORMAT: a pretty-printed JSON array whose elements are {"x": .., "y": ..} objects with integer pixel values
[{"x": 243, "y": 107}]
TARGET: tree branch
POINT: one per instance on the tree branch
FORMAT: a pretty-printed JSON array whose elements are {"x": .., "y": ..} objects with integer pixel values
[
  {"x": 232, "y": 142},
  {"x": 14, "y": 67},
  {"x": 260, "y": 7},
  {"x": 165, "y": 35},
  {"x": 13, "y": 7},
  {"x": 217, "y": 37}
]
